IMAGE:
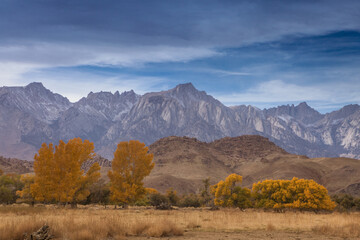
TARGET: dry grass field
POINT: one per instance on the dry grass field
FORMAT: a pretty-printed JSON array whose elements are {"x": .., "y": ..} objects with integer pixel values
[{"x": 95, "y": 222}]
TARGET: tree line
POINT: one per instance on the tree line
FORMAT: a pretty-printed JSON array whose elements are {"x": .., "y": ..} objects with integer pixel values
[{"x": 59, "y": 178}]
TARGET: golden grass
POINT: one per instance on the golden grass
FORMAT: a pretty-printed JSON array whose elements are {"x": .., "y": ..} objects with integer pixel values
[
  {"x": 344, "y": 231},
  {"x": 98, "y": 223}
]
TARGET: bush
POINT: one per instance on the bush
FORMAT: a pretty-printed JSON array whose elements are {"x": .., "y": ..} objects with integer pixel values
[
  {"x": 346, "y": 202},
  {"x": 99, "y": 193},
  {"x": 191, "y": 200},
  {"x": 159, "y": 201},
  {"x": 9, "y": 184},
  {"x": 172, "y": 196}
]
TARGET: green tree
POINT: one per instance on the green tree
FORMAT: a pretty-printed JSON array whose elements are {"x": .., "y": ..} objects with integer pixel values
[
  {"x": 205, "y": 192},
  {"x": 9, "y": 184},
  {"x": 131, "y": 164}
]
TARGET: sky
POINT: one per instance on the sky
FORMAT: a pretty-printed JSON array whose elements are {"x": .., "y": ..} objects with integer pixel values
[{"x": 262, "y": 53}]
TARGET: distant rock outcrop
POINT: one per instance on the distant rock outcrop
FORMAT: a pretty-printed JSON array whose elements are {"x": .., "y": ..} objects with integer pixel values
[{"x": 13, "y": 165}]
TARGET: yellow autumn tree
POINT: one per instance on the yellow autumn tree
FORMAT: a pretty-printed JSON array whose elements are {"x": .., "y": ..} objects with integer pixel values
[
  {"x": 228, "y": 194},
  {"x": 296, "y": 193},
  {"x": 131, "y": 164},
  {"x": 58, "y": 173}
]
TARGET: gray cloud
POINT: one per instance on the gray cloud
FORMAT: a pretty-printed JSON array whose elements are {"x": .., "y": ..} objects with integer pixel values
[{"x": 69, "y": 33}]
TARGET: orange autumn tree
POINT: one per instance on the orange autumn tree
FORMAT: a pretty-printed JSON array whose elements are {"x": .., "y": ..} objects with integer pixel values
[
  {"x": 131, "y": 164},
  {"x": 296, "y": 193},
  {"x": 58, "y": 174}
]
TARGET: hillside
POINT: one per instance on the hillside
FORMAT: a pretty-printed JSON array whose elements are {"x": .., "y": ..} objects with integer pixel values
[
  {"x": 13, "y": 165},
  {"x": 182, "y": 163}
]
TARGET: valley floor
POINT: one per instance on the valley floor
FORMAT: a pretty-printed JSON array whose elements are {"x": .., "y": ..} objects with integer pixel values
[
  {"x": 95, "y": 222},
  {"x": 252, "y": 235}
]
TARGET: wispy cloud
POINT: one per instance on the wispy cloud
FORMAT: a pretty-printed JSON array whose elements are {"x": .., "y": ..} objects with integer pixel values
[
  {"x": 270, "y": 93},
  {"x": 76, "y": 83},
  {"x": 16, "y": 60}
]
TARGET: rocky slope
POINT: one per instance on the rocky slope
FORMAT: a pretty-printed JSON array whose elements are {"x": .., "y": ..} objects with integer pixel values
[
  {"x": 31, "y": 115},
  {"x": 13, "y": 165}
]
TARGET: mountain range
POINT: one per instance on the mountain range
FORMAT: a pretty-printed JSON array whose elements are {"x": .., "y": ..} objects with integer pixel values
[{"x": 32, "y": 115}]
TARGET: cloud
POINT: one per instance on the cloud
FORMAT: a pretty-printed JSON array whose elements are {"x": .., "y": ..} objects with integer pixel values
[
  {"x": 270, "y": 93},
  {"x": 11, "y": 73},
  {"x": 77, "y": 83},
  {"x": 15, "y": 61},
  {"x": 49, "y": 54},
  {"x": 40, "y": 35}
]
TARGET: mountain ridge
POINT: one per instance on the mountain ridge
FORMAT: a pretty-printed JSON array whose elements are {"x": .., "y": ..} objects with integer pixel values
[{"x": 33, "y": 114}]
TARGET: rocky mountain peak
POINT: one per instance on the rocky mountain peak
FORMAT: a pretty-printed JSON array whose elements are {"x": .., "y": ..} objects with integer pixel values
[
  {"x": 129, "y": 95},
  {"x": 187, "y": 94},
  {"x": 35, "y": 85},
  {"x": 185, "y": 87},
  {"x": 302, "y": 112},
  {"x": 110, "y": 106},
  {"x": 36, "y": 100},
  {"x": 345, "y": 111}
]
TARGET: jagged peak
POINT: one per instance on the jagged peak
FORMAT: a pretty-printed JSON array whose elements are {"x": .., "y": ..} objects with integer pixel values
[
  {"x": 110, "y": 94},
  {"x": 101, "y": 93},
  {"x": 185, "y": 87},
  {"x": 127, "y": 93},
  {"x": 303, "y": 104},
  {"x": 37, "y": 85},
  {"x": 344, "y": 111}
]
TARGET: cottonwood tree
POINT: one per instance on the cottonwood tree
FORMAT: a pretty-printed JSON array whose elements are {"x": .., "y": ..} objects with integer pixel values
[
  {"x": 58, "y": 174},
  {"x": 131, "y": 164},
  {"x": 228, "y": 193},
  {"x": 296, "y": 193}
]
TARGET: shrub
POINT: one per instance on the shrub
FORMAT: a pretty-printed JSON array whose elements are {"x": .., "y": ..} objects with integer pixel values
[
  {"x": 9, "y": 184},
  {"x": 191, "y": 200},
  {"x": 159, "y": 201},
  {"x": 172, "y": 196},
  {"x": 346, "y": 202}
]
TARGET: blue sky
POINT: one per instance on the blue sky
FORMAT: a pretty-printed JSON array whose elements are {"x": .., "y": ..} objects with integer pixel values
[{"x": 263, "y": 53}]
